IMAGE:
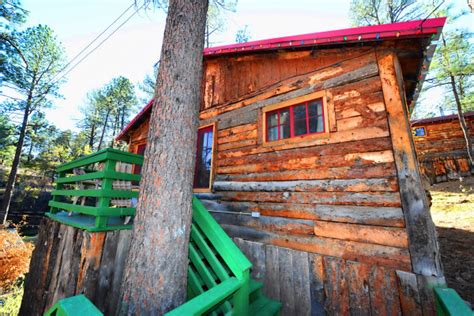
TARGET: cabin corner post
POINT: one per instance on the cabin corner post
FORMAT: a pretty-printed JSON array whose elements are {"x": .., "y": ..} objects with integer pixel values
[{"x": 423, "y": 244}]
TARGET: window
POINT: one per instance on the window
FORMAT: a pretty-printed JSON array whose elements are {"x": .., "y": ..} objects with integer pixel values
[
  {"x": 203, "y": 169},
  {"x": 419, "y": 132},
  {"x": 296, "y": 120}
]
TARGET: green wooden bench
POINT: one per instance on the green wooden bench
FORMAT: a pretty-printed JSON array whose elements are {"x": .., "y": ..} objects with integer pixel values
[
  {"x": 219, "y": 280},
  {"x": 219, "y": 274},
  {"x": 77, "y": 305}
]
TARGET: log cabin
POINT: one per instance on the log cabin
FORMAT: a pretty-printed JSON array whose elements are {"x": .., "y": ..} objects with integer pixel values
[
  {"x": 441, "y": 147},
  {"x": 306, "y": 158}
]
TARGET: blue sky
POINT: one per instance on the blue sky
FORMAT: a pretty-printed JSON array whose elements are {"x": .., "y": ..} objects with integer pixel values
[{"x": 132, "y": 50}]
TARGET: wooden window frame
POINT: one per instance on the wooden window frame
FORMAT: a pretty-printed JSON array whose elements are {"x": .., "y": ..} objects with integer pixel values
[
  {"x": 291, "y": 103},
  {"x": 213, "y": 155},
  {"x": 135, "y": 151},
  {"x": 418, "y": 136}
]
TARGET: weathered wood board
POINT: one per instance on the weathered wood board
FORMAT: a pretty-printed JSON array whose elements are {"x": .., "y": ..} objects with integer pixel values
[{"x": 68, "y": 261}]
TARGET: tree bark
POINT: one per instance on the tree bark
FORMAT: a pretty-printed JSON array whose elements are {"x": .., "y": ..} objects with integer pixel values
[
  {"x": 462, "y": 121},
  {"x": 103, "y": 130},
  {"x": 30, "y": 152},
  {"x": 92, "y": 136},
  {"x": 7, "y": 196},
  {"x": 155, "y": 275}
]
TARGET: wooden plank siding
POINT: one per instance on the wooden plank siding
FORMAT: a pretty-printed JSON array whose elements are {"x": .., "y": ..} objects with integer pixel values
[{"x": 71, "y": 261}]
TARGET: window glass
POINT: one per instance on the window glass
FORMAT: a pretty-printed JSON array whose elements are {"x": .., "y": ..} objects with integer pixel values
[
  {"x": 295, "y": 120},
  {"x": 315, "y": 108},
  {"x": 300, "y": 127},
  {"x": 272, "y": 119},
  {"x": 285, "y": 131},
  {"x": 273, "y": 133},
  {"x": 420, "y": 131},
  {"x": 299, "y": 112},
  {"x": 202, "y": 173}
]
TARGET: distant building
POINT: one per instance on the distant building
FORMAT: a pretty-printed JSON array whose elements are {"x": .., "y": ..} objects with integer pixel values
[{"x": 441, "y": 147}]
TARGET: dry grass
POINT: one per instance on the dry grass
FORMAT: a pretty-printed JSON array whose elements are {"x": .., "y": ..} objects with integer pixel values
[
  {"x": 15, "y": 258},
  {"x": 453, "y": 214},
  {"x": 453, "y": 204}
]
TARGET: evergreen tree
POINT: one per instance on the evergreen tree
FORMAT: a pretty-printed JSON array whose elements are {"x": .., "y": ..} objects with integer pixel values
[{"x": 33, "y": 59}]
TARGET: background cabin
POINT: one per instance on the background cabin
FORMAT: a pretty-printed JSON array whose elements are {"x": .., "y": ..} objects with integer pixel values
[
  {"x": 441, "y": 147},
  {"x": 305, "y": 157}
]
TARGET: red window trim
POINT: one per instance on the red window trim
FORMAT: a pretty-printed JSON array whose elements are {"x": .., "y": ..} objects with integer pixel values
[
  {"x": 201, "y": 132},
  {"x": 292, "y": 121},
  {"x": 140, "y": 150}
]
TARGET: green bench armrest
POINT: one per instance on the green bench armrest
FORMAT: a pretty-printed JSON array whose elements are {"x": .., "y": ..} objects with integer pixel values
[
  {"x": 449, "y": 303},
  {"x": 207, "y": 300}
]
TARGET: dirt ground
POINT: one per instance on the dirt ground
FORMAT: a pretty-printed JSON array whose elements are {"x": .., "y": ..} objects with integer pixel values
[{"x": 453, "y": 213}]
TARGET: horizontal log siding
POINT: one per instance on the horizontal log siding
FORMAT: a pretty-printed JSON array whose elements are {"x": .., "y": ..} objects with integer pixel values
[
  {"x": 442, "y": 152},
  {"x": 336, "y": 196},
  {"x": 442, "y": 137}
]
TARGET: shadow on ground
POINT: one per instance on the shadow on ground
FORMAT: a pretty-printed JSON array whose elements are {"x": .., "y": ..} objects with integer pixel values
[{"x": 457, "y": 255}]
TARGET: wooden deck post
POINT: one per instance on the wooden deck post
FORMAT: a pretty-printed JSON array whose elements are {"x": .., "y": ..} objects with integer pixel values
[{"x": 423, "y": 244}]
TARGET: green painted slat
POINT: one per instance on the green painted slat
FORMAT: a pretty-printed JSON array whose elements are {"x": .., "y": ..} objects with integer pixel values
[
  {"x": 201, "y": 268},
  {"x": 194, "y": 283},
  {"x": 99, "y": 175},
  {"x": 82, "y": 177},
  {"x": 98, "y": 193},
  {"x": 87, "y": 160},
  {"x": 449, "y": 303},
  {"x": 207, "y": 300},
  {"x": 72, "y": 221},
  {"x": 228, "y": 250},
  {"x": 91, "y": 210},
  {"x": 216, "y": 265},
  {"x": 74, "y": 306},
  {"x": 125, "y": 157},
  {"x": 104, "y": 154}
]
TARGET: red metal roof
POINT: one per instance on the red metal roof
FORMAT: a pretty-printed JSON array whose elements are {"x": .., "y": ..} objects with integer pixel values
[
  {"x": 351, "y": 35},
  {"x": 439, "y": 119},
  {"x": 356, "y": 34}
]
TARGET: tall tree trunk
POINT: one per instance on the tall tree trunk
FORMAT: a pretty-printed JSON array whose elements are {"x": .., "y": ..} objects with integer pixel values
[
  {"x": 462, "y": 121},
  {"x": 7, "y": 196},
  {"x": 30, "y": 151},
  {"x": 155, "y": 274},
  {"x": 103, "y": 130},
  {"x": 122, "y": 119},
  {"x": 92, "y": 136},
  {"x": 116, "y": 123}
]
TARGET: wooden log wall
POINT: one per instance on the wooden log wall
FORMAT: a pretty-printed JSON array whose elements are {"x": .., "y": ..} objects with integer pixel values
[
  {"x": 139, "y": 136},
  {"x": 337, "y": 196},
  {"x": 68, "y": 261},
  {"x": 442, "y": 152}
]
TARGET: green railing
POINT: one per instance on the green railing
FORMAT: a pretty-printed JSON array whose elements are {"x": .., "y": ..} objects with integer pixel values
[
  {"x": 449, "y": 303},
  {"x": 97, "y": 192},
  {"x": 218, "y": 272}
]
